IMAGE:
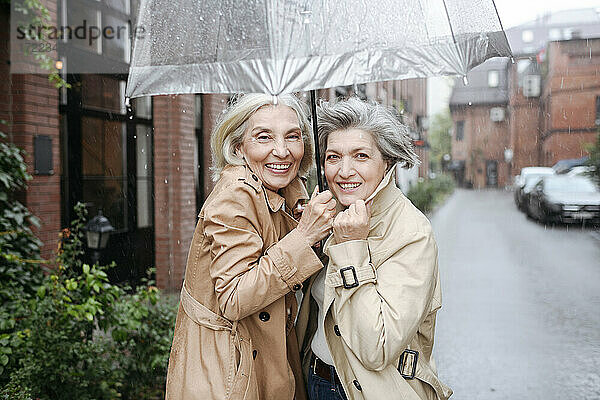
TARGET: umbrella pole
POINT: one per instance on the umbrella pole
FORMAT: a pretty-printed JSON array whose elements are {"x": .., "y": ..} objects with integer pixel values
[{"x": 313, "y": 109}]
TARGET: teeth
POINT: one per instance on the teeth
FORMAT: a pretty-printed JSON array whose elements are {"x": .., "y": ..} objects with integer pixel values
[
  {"x": 347, "y": 186},
  {"x": 278, "y": 166}
]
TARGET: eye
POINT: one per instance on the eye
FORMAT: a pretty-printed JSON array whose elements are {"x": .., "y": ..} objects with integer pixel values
[
  {"x": 263, "y": 137},
  {"x": 294, "y": 137},
  {"x": 362, "y": 156},
  {"x": 331, "y": 157}
]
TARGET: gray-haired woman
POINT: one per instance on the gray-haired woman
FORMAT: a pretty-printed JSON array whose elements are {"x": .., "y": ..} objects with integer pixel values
[
  {"x": 375, "y": 304},
  {"x": 234, "y": 335}
]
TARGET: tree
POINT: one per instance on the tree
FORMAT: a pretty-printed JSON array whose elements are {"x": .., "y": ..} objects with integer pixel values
[{"x": 440, "y": 139}]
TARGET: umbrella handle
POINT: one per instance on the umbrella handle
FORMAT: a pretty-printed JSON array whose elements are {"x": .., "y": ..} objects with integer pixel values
[{"x": 313, "y": 107}]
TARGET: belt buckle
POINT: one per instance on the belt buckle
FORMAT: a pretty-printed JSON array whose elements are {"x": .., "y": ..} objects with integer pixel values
[
  {"x": 411, "y": 356},
  {"x": 345, "y": 283},
  {"x": 314, "y": 364}
]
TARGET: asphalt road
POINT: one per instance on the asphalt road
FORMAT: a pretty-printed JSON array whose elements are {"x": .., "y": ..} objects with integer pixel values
[{"x": 521, "y": 302}]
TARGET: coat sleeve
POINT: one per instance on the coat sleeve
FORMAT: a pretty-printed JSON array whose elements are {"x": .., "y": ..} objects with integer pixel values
[
  {"x": 246, "y": 276},
  {"x": 378, "y": 318}
]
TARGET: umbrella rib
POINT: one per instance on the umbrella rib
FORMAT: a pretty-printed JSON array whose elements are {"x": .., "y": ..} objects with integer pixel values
[
  {"x": 460, "y": 53},
  {"x": 218, "y": 39},
  {"x": 449, "y": 22},
  {"x": 502, "y": 28}
]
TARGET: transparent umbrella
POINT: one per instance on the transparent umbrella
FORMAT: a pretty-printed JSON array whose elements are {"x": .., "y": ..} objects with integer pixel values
[{"x": 282, "y": 46}]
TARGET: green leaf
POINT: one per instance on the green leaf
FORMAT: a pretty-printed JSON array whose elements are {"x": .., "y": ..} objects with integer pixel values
[{"x": 86, "y": 269}]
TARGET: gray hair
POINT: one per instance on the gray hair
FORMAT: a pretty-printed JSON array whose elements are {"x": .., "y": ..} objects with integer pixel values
[
  {"x": 228, "y": 133},
  {"x": 390, "y": 135}
]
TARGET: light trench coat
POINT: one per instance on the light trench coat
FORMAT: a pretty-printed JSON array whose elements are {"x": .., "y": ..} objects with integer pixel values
[
  {"x": 390, "y": 308},
  {"x": 234, "y": 334}
]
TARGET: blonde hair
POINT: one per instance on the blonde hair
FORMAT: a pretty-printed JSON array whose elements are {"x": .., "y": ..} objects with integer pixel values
[{"x": 229, "y": 131}]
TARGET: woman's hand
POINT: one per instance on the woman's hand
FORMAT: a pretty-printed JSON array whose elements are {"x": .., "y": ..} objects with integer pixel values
[
  {"x": 353, "y": 223},
  {"x": 317, "y": 217}
]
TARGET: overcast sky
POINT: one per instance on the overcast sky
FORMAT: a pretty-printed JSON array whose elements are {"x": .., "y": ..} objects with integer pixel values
[{"x": 516, "y": 12}]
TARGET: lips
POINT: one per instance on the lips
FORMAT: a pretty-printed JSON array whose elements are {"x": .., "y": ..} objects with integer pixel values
[{"x": 349, "y": 186}]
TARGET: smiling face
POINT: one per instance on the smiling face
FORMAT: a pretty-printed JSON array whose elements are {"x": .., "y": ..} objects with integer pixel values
[
  {"x": 354, "y": 165},
  {"x": 272, "y": 145}
]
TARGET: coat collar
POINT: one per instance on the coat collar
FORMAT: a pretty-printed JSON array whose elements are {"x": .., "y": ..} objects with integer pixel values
[
  {"x": 291, "y": 194},
  {"x": 385, "y": 193}
]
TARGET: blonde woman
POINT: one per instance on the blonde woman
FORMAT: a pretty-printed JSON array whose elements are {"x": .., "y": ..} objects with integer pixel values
[{"x": 234, "y": 335}]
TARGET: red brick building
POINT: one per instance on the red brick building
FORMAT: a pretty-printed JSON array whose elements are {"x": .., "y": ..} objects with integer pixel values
[
  {"x": 570, "y": 99},
  {"x": 546, "y": 104},
  {"x": 480, "y": 134}
]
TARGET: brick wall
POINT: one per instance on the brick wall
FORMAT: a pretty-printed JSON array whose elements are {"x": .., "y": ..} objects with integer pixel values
[
  {"x": 175, "y": 203},
  {"x": 569, "y": 99},
  {"x": 525, "y": 118},
  {"x": 30, "y": 104},
  {"x": 484, "y": 140}
]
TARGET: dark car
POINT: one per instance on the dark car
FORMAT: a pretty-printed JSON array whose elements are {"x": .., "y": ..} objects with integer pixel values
[{"x": 560, "y": 198}]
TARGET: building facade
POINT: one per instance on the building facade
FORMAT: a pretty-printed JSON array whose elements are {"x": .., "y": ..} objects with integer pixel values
[{"x": 537, "y": 109}]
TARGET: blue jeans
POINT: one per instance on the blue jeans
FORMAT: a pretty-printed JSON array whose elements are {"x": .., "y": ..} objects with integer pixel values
[{"x": 322, "y": 389}]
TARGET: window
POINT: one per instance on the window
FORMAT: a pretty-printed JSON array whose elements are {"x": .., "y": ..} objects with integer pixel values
[
  {"x": 460, "y": 130},
  {"x": 143, "y": 160},
  {"x": 527, "y": 36},
  {"x": 104, "y": 181},
  {"x": 109, "y": 21},
  {"x": 493, "y": 78},
  {"x": 109, "y": 167}
]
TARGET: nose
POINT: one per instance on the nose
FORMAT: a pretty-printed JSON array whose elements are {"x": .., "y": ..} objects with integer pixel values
[
  {"x": 346, "y": 168},
  {"x": 280, "y": 148}
]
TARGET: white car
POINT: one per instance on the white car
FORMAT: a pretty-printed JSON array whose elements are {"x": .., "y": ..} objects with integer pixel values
[
  {"x": 541, "y": 171},
  {"x": 580, "y": 170}
]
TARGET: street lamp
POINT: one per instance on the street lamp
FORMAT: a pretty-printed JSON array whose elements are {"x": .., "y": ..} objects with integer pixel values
[{"x": 97, "y": 232}]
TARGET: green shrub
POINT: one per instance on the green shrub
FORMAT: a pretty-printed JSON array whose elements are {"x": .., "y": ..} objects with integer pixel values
[
  {"x": 20, "y": 264},
  {"x": 85, "y": 338},
  {"x": 426, "y": 194},
  {"x": 70, "y": 333}
]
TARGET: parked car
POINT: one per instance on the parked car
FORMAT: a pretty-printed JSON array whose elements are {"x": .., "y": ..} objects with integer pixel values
[
  {"x": 564, "y": 166},
  {"x": 522, "y": 194},
  {"x": 561, "y": 198},
  {"x": 581, "y": 170},
  {"x": 525, "y": 181}
]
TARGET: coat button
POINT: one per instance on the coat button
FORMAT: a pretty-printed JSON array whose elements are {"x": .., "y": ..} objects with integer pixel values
[
  {"x": 264, "y": 316},
  {"x": 357, "y": 384},
  {"x": 255, "y": 177},
  {"x": 297, "y": 287},
  {"x": 254, "y": 353},
  {"x": 337, "y": 330}
]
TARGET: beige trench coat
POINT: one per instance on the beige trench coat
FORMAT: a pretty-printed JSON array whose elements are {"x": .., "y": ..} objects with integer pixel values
[
  {"x": 389, "y": 303},
  {"x": 234, "y": 335}
]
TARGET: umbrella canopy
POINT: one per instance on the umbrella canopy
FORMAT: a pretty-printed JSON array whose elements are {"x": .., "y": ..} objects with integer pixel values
[{"x": 282, "y": 46}]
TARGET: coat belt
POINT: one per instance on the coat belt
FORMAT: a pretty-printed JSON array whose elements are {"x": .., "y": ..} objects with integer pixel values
[{"x": 201, "y": 315}]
